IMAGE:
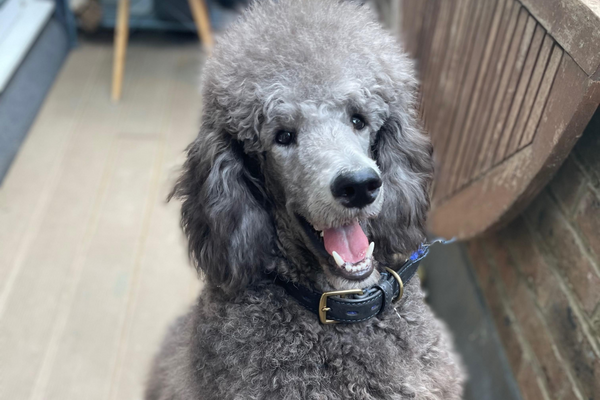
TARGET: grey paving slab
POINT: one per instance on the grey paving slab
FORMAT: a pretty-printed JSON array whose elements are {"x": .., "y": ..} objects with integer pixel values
[{"x": 455, "y": 298}]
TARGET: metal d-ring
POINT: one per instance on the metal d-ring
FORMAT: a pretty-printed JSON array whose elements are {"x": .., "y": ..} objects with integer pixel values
[{"x": 397, "y": 278}]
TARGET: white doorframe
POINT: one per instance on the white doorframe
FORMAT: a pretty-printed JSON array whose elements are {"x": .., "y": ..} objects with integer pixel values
[{"x": 21, "y": 21}]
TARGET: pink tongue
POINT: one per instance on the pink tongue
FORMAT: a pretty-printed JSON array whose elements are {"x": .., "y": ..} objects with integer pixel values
[{"x": 348, "y": 241}]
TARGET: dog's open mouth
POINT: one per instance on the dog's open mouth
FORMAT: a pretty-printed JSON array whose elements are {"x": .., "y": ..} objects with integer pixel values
[{"x": 347, "y": 248}]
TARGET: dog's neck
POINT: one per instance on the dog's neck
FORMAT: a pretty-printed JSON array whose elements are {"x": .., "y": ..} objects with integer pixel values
[{"x": 294, "y": 261}]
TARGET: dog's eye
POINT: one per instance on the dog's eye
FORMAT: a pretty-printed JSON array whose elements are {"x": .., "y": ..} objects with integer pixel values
[
  {"x": 284, "y": 138},
  {"x": 358, "y": 122}
]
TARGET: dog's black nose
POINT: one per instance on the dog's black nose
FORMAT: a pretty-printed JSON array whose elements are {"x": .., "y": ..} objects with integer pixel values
[{"x": 356, "y": 189}]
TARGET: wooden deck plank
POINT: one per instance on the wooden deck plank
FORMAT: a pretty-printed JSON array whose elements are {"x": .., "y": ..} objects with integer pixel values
[
  {"x": 158, "y": 295},
  {"x": 107, "y": 266},
  {"x": 33, "y": 300},
  {"x": 85, "y": 347},
  {"x": 26, "y": 189},
  {"x": 87, "y": 160},
  {"x": 64, "y": 319}
]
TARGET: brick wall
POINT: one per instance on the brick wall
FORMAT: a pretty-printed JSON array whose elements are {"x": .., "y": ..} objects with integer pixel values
[{"x": 541, "y": 279}]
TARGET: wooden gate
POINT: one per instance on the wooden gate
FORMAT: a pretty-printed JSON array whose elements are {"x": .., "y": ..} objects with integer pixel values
[{"x": 507, "y": 87}]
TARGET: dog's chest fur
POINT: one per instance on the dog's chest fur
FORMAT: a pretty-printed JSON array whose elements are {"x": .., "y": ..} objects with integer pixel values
[{"x": 264, "y": 345}]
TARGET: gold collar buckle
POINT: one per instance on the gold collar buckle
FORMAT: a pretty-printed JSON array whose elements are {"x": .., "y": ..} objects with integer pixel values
[{"x": 323, "y": 303}]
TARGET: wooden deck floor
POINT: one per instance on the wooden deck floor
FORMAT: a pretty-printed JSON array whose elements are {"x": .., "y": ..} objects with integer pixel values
[{"x": 93, "y": 265}]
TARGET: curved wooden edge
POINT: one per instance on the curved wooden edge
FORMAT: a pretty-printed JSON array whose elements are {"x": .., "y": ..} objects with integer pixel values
[
  {"x": 514, "y": 183},
  {"x": 574, "y": 24}
]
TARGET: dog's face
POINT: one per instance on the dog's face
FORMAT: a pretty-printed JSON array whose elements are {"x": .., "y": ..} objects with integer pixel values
[
  {"x": 309, "y": 150},
  {"x": 319, "y": 162}
]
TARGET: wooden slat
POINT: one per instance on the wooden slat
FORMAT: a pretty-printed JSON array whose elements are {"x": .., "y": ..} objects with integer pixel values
[
  {"x": 490, "y": 84},
  {"x": 474, "y": 70},
  {"x": 484, "y": 120},
  {"x": 490, "y": 72},
  {"x": 456, "y": 78},
  {"x": 452, "y": 78},
  {"x": 439, "y": 46},
  {"x": 510, "y": 75},
  {"x": 468, "y": 135},
  {"x": 532, "y": 90},
  {"x": 423, "y": 17},
  {"x": 425, "y": 42},
  {"x": 414, "y": 19},
  {"x": 504, "y": 191},
  {"x": 498, "y": 136},
  {"x": 445, "y": 69},
  {"x": 542, "y": 96},
  {"x": 407, "y": 6},
  {"x": 574, "y": 25},
  {"x": 407, "y": 23},
  {"x": 517, "y": 101}
]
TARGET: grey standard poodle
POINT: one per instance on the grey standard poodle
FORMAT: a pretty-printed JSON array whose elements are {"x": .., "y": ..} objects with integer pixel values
[{"x": 309, "y": 175}]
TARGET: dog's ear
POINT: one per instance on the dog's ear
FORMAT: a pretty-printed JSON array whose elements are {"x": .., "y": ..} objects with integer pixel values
[
  {"x": 404, "y": 156},
  {"x": 224, "y": 212}
]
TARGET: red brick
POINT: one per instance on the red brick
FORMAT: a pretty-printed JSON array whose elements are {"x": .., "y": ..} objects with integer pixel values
[
  {"x": 529, "y": 383},
  {"x": 588, "y": 220},
  {"x": 588, "y": 148},
  {"x": 505, "y": 327},
  {"x": 503, "y": 261},
  {"x": 531, "y": 263},
  {"x": 479, "y": 262},
  {"x": 573, "y": 344},
  {"x": 561, "y": 242},
  {"x": 568, "y": 393},
  {"x": 540, "y": 341},
  {"x": 596, "y": 321},
  {"x": 567, "y": 183},
  {"x": 536, "y": 211}
]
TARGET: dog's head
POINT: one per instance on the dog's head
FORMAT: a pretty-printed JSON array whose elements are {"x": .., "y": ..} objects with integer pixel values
[{"x": 309, "y": 150}]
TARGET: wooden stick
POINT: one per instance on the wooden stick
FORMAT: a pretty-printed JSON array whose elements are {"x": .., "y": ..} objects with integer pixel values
[
  {"x": 202, "y": 21},
  {"x": 121, "y": 36}
]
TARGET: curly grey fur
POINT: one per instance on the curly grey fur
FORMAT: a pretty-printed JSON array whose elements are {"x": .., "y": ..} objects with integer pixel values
[{"x": 306, "y": 66}]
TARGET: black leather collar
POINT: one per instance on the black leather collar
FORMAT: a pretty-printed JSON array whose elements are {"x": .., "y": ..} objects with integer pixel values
[{"x": 331, "y": 308}]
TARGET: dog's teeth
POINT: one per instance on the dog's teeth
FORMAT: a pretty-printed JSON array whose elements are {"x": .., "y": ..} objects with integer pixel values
[
  {"x": 321, "y": 233},
  {"x": 370, "y": 250},
  {"x": 338, "y": 259}
]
